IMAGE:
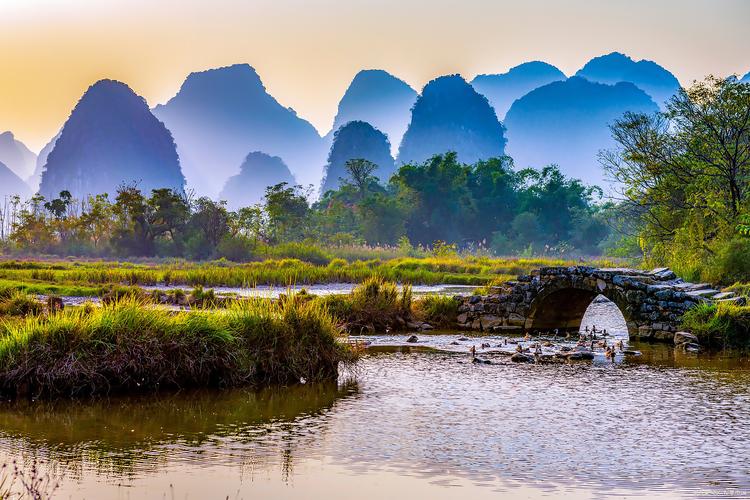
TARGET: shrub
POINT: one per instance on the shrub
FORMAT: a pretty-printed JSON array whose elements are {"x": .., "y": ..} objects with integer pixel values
[
  {"x": 732, "y": 262},
  {"x": 724, "y": 324},
  {"x": 236, "y": 249}
]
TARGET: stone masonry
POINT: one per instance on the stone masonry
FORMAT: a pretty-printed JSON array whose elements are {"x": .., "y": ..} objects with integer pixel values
[{"x": 652, "y": 302}]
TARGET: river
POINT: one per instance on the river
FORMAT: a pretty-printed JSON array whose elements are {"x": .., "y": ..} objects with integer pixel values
[{"x": 415, "y": 421}]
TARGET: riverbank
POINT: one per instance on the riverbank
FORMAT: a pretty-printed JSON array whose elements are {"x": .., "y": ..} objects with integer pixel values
[{"x": 128, "y": 346}]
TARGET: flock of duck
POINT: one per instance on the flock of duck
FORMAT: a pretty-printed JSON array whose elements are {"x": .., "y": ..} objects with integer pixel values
[{"x": 539, "y": 347}]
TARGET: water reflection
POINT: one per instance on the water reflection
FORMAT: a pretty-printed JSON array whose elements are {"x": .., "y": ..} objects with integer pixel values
[
  {"x": 430, "y": 422},
  {"x": 130, "y": 435}
]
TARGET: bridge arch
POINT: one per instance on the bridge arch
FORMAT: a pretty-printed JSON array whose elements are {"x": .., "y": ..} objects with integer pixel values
[
  {"x": 562, "y": 304},
  {"x": 651, "y": 302}
]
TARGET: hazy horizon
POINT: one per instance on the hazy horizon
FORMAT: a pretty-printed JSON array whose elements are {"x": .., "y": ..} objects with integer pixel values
[{"x": 307, "y": 54}]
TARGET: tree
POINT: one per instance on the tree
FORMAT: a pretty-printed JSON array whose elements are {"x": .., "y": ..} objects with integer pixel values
[
  {"x": 287, "y": 210},
  {"x": 440, "y": 198},
  {"x": 686, "y": 171},
  {"x": 360, "y": 171},
  {"x": 209, "y": 223}
]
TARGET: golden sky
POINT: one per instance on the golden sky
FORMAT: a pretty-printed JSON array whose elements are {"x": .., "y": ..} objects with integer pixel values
[{"x": 307, "y": 51}]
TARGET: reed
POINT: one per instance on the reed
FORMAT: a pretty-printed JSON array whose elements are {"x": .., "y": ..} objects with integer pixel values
[{"x": 131, "y": 346}]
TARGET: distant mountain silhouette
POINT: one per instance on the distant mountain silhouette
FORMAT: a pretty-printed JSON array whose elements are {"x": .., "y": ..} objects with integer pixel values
[
  {"x": 450, "y": 115},
  {"x": 380, "y": 99},
  {"x": 41, "y": 162},
  {"x": 111, "y": 138},
  {"x": 566, "y": 123},
  {"x": 11, "y": 185},
  {"x": 257, "y": 172},
  {"x": 746, "y": 78},
  {"x": 357, "y": 139},
  {"x": 648, "y": 76},
  {"x": 220, "y": 114},
  {"x": 501, "y": 90},
  {"x": 16, "y": 156}
]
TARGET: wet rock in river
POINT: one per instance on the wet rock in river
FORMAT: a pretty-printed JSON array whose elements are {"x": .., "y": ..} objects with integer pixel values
[
  {"x": 579, "y": 355},
  {"x": 685, "y": 338},
  {"x": 413, "y": 339},
  {"x": 521, "y": 358},
  {"x": 481, "y": 361}
]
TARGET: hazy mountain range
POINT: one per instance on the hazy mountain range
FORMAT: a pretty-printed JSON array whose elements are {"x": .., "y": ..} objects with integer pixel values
[
  {"x": 11, "y": 185},
  {"x": 380, "y": 99},
  {"x": 221, "y": 115},
  {"x": 16, "y": 156},
  {"x": 111, "y": 139},
  {"x": 532, "y": 112},
  {"x": 566, "y": 123},
  {"x": 450, "y": 115},
  {"x": 648, "y": 76},
  {"x": 257, "y": 172},
  {"x": 502, "y": 90}
]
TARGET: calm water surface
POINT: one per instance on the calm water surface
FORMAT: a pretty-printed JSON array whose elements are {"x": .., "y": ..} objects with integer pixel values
[{"x": 415, "y": 421}]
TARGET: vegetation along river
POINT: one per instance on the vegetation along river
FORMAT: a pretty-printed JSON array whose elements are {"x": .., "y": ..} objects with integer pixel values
[{"x": 415, "y": 420}]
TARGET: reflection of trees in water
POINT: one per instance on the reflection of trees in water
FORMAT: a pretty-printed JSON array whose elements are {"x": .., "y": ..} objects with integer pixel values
[{"x": 126, "y": 435}]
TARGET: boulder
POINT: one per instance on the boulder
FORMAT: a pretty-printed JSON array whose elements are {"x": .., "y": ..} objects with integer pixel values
[
  {"x": 663, "y": 273},
  {"x": 521, "y": 358},
  {"x": 490, "y": 321},
  {"x": 413, "y": 339},
  {"x": 515, "y": 319},
  {"x": 580, "y": 355},
  {"x": 685, "y": 338},
  {"x": 663, "y": 335}
]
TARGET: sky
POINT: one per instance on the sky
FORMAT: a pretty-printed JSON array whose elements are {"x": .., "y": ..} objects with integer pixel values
[{"x": 307, "y": 51}]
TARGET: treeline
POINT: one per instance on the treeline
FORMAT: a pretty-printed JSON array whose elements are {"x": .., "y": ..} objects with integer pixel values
[{"x": 487, "y": 205}]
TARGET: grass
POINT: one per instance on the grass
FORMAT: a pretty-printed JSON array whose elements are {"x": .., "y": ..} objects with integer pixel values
[
  {"x": 88, "y": 278},
  {"x": 17, "y": 303},
  {"x": 128, "y": 346},
  {"x": 739, "y": 288},
  {"x": 719, "y": 325},
  {"x": 437, "y": 310}
]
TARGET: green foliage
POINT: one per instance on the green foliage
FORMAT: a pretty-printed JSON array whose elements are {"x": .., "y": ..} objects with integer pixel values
[
  {"x": 686, "y": 173},
  {"x": 127, "y": 347},
  {"x": 719, "y": 325},
  {"x": 743, "y": 225}
]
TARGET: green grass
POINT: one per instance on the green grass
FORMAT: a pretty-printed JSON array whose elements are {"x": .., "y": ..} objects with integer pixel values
[
  {"x": 437, "y": 310},
  {"x": 87, "y": 278},
  {"x": 719, "y": 325},
  {"x": 16, "y": 303},
  {"x": 128, "y": 346},
  {"x": 739, "y": 288}
]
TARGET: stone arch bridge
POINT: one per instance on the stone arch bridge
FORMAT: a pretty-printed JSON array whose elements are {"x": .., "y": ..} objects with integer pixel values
[{"x": 652, "y": 302}]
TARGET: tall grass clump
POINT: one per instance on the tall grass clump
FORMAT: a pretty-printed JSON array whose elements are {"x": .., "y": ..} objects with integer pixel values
[
  {"x": 719, "y": 325},
  {"x": 378, "y": 303},
  {"x": 437, "y": 310},
  {"x": 17, "y": 303},
  {"x": 128, "y": 346}
]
